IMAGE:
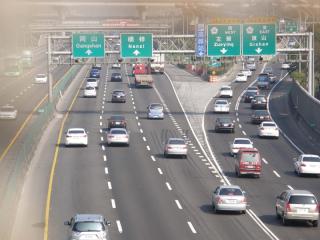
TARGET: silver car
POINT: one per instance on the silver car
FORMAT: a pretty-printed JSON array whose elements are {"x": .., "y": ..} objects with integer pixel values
[
  {"x": 155, "y": 111},
  {"x": 118, "y": 136},
  {"x": 176, "y": 146},
  {"x": 8, "y": 112},
  {"x": 88, "y": 226},
  {"x": 297, "y": 205},
  {"x": 229, "y": 198}
]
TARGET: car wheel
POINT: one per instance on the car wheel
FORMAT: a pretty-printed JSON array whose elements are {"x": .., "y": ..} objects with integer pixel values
[
  {"x": 284, "y": 221},
  {"x": 315, "y": 223},
  {"x": 165, "y": 154},
  {"x": 243, "y": 212},
  {"x": 277, "y": 214}
]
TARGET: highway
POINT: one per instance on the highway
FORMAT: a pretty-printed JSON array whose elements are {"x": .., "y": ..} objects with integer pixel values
[{"x": 278, "y": 155}]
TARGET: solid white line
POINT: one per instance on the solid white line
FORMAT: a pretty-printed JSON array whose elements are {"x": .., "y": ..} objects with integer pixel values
[
  {"x": 109, "y": 185},
  {"x": 153, "y": 158},
  {"x": 168, "y": 186},
  {"x": 103, "y": 148},
  {"x": 160, "y": 171},
  {"x": 178, "y": 204},
  {"x": 264, "y": 160},
  {"x": 244, "y": 133},
  {"x": 148, "y": 148},
  {"x": 144, "y": 139},
  {"x": 290, "y": 187},
  {"x": 141, "y": 130},
  {"x": 113, "y": 203},
  {"x": 102, "y": 139},
  {"x": 193, "y": 230},
  {"x": 106, "y": 171},
  {"x": 119, "y": 226},
  {"x": 277, "y": 174},
  {"x": 104, "y": 158}
]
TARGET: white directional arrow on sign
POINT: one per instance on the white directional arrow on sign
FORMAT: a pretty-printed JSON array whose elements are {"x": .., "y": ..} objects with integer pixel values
[
  {"x": 89, "y": 52},
  {"x": 136, "y": 52},
  {"x": 258, "y": 50},
  {"x": 223, "y": 51}
]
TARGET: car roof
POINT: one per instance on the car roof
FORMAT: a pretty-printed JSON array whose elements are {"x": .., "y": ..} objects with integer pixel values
[
  {"x": 117, "y": 117},
  {"x": 230, "y": 186},
  {"x": 88, "y": 218},
  {"x": 309, "y": 155},
  {"x": 300, "y": 192},
  {"x": 118, "y": 90},
  {"x": 117, "y": 129},
  {"x": 242, "y": 139},
  {"x": 226, "y": 86},
  {"x": 221, "y": 100},
  {"x": 76, "y": 129},
  {"x": 175, "y": 139}
]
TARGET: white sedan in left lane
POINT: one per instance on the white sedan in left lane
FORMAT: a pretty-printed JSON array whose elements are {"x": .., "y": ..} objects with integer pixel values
[
  {"x": 41, "y": 78},
  {"x": 307, "y": 164},
  {"x": 221, "y": 106},
  {"x": 8, "y": 112},
  {"x": 268, "y": 129},
  {"x": 76, "y": 136},
  {"x": 225, "y": 91}
]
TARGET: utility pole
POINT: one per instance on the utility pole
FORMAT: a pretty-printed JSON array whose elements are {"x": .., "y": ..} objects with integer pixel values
[{"x": 48, "y": 70}]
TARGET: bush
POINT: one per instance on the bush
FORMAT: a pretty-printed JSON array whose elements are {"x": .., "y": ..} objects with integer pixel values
[{"x": 300, "y": 77}]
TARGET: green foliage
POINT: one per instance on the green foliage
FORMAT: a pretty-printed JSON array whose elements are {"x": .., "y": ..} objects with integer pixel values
[{"x": 301, "y": 78}]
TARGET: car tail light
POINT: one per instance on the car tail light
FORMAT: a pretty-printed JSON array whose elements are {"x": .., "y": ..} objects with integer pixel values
[
  {"x": 317, "y": 208},
  {"x": 219, "y": 200},
  {"x": 261, "y": 128},
  {"x": 243, "y": 200},
  {"x": 110, "y": 136},
  {"x": 303, "y": 165},
  {"x": 287, "y": 207}
]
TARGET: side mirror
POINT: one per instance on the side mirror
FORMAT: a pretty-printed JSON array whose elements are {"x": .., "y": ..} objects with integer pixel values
[
  {"x": 244, "y": 192},
  {"x": 67, "y": 223}
]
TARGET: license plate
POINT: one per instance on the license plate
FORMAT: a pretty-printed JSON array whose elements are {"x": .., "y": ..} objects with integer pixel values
[
  {"x": 250, "y": 166},
  {"x": 302, "y": 210},
  {"x": 231, "y": 201}
]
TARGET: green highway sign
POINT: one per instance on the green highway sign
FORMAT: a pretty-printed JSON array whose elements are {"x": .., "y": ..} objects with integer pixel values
[
  {"x": 291, "y": 26},
  {"x": 136, "y": 45},
  {"x": 223, "y": 40},
  {"x": 88, "y": 45},
  {"x": 258, "y": 39}
]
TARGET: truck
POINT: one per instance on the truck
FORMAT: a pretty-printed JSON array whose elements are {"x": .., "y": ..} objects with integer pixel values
[
  {"x": 142, "y": 76},
  {"x": 157, "y": 63}
]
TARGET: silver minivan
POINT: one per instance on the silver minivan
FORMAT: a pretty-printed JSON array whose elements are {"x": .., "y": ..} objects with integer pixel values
[{"x": 297, "y": 205}]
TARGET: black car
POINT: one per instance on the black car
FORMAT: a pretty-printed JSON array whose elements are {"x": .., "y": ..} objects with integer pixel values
[
  {"x": 116, "y": 77},
  {"x": 118, "y": 96},
  {"x": 259, "y": 102},
  {"x": 263, "y": 81},
  {"x": 117, "y": 121},
  {"x": 258, "y": 116},
  {"x": 95, "y": 73},
  {"x": 224, "y": 124},
  {"x": 249, "y": 95}
]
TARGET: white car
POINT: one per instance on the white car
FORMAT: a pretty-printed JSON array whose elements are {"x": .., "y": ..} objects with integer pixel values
[
  {"x": 268, "y": 129},
  {"x": 92, "y": 82},
  {"x": 240, "y": 143},
  {"x": 176, "y": 146},
  {"x": 116, "y": 66},
  {"x": 251, "y": 65},
  {"x": 118, "y": 136},
  {"x": 246, "y": 72},
  {"x": 221, "y": 106},
  {"x": 41, "y": 78},
  {"x": 90, "y": 91},
  {"x": 76, "y": 136},
  {"x": 241, "y": 77},
  {"x": 285, "y": 66},
  {"x": 307, "y": 164},
  {"x": 8, "y": 112},
  {"x": 225, "y": 91}
]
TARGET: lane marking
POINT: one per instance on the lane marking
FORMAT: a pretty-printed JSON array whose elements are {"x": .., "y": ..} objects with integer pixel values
[
  {"x": 265, "y": 161},
  {"x": 178, "y": 204},
  {"x": 100, "y": 123},
  {"x": 106, "y": 170},
  {"x": 144, "y": 139},
  {"x": 104, "y": 158},
  {"x": 244, "y": 133},
  {"x": 141, "y": 130},
  {"x": 102, "y": 139},
  {"x": 119, "y": 226},
  {"x": 290, "y": 187},
  {"x": 148, "y": 148},
  {"x": 153, "y": 158},
  {"x": 113, "y": 203},
  {"x": 277, "y": 174},
  {"x": 240, "y": 126},
  {"x": 160, "y": 171},
  {"x": 139, "y": 124},
  {"x": 137, "y": 117},
  {"x": 193, "y": 230},
  {"x": 169, "y": 186},
  {"x": 103, "y": 148},
  {"x": 109, "y": 185},
  {"x": 100, "y": 130}
]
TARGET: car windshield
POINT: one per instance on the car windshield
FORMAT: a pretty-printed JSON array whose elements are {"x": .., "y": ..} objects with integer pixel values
[
  {"x": 118, "y": 92},
  {"x": 240, "y": 74},
  {"x": 156, "y": 107},
  {"x": 76, "y": 131},
  {"x": 90, "y": 88},
  {"x": 252, "y": 89},
  {"x": 116, "y": 74},
  {"x": 230, "y": 192},
  {"x": 88, "y": 227},
  {"x": 225, "y": 120},
  {"x": 311, "y": 159},
  {"x": 250, "y": 156},
  {"x": 268, "y": 125},
  {"x": 118, "y": 131},
  {"x": 117, "y": 117},
  {"x": 91, "y": 80},
  {"x": 220, "y": 102},
  {"x": 263, "y": 78},
  {"x": 41, "y": 75},
  {"x": 261, "y": 113},
  {"x": 299, "y": 199},
  {"x": 7, "y": 109},
  {"x": 242, "y": 141},
  {"x": 251, "y": 93},
  {"x": 177, "y": 142},
  {"x": 260, "y": 98},
  {"x": 225, "y": 88}
]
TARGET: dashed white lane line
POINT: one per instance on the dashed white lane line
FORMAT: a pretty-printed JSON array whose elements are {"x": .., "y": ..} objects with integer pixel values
[
  {"x": 113, "y": 203},
  {"x": 144, "y": 139},
  {"x": 101, "y": 131},
  {"x": 193, "y": 230},
  {"x": 178, "y": 204},
  {"x": 102, "y": 139},
  {"x": 240, "y": 126},
  {"x": 102, "y": 111},
  {"x": 148, "y": 148},
  {"x": 106, "y": 170},
  {"x": 160, "y": 171},
  {"x": 141, "y": 130},
  {"x": 100, "y": 117},
  {"x": 290, "y": 187},
  {"x": 275, "y": 173},
  {"x": 169, "y": 186},
  {"x": 134, "y": 107},
  {"x": 139, "y": 124},
  {"x": 102, "y": 107},
  {"x": 153, "y": 158},
  {"x": 244, "y": 133},
  {"x": 109, "y": 185},
  {"x": 135, "y": 112},
  {"x": 137, "y": 117},
  {"x": 207, "y": 164},
  {"x": 264, "y": 160},
  {"x": 133, "y": 102},
  {"x": 119, "y": 226},
  {"x": 195, "y": 150},
  {"x": 103, "y": 148},
  {"x": 104, "y": 158},
  {"x": 204, "y": 160},
  {"x": 238, "y": 120}
]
